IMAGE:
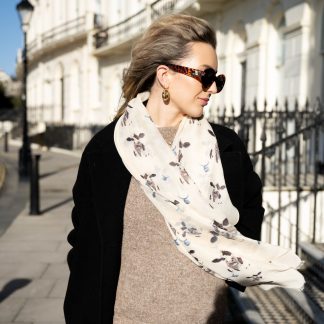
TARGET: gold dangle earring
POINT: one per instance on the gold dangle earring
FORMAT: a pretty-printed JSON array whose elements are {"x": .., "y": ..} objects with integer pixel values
[{"x": 166, "y": 96}]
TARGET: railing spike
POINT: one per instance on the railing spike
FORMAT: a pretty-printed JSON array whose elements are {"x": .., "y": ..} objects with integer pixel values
[
  {"x": 263, "y": 136},
  {"x": 233, "y": 110},
  {"x": 307, "y": 104},
  {"x": 296, "y": 105},
  {"x": 319, "y": 106}
]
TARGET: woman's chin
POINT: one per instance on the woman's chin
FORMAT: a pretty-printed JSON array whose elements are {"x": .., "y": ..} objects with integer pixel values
[{"x": 197, "y": 113}]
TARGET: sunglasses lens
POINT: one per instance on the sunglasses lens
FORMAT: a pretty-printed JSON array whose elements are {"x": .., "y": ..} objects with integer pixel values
[
  {"x": 208, "y": 78},
  {"x": 220, "y": 81}
]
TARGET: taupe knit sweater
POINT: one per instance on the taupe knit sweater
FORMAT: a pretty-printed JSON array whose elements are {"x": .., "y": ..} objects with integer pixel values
[{"x": 157, "y": 283}]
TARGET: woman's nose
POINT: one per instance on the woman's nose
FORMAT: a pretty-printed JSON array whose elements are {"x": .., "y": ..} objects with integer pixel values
[{"x": 213, "y": 88}]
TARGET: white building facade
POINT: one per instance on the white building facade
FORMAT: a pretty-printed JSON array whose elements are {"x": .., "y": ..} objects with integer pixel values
[{"x": 77, "y": 51}]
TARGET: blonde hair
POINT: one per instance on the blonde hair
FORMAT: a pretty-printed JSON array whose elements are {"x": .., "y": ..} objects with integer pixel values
[{"x": 165, "y": 41}]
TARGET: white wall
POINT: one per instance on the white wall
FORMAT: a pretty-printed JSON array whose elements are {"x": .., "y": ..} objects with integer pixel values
[
  {"x": 288, "y": 218},
  {"x": 281, "y": 60},
  {"x": 111, "y": 76}
]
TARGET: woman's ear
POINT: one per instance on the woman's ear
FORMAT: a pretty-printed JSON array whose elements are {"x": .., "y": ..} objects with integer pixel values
[{"x": 163, "y": 76}]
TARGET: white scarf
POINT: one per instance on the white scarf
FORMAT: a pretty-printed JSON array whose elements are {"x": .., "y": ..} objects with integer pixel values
[{"x": 186, "y": 184}]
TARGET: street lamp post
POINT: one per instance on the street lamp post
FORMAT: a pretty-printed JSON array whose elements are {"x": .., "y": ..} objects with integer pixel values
[{"x": 25, "y": 10}]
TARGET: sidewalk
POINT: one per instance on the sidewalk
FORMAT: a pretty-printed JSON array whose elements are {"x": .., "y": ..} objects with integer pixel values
[{"x": 33, "y": 249}]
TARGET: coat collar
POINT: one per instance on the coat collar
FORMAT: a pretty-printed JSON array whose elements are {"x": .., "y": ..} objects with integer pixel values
[
  {"x": 223, "y": 141},
  {"x": 104, "y": 139}
]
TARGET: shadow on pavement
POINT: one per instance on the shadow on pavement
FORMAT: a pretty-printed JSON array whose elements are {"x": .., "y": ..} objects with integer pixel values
[
  {"x": 12, "y": 286},
  {"x": 48, "y": 174},
  {"x": 65, "y": 201}
]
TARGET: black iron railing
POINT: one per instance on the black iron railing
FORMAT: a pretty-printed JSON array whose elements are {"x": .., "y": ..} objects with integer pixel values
[
  {"x": 137, "y": 23},
  {"x": 130, "y": 26},
  {"x": 9, "y": 115},
  {"x": 68, "y": 28},
  {"x": 69, "y": 136},
  {"x": 161, "y": 7},
  {"x": 287, "y": 145},
  {"x": 266, "y": 129},
  {"x": 40, "y": 114}
]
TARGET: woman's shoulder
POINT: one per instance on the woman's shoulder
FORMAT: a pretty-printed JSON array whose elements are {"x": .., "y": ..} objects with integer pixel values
[
  {"x": 227, "y": 136},
  {"x": 223, "y": 130},
  {"x": 103, "y": 140}
]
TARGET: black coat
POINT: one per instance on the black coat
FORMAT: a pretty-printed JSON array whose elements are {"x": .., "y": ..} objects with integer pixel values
[{"x": 99, "y": 196}]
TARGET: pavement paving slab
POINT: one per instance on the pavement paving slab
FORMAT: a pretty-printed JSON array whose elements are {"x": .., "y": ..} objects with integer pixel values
[
  {"x": 10, "y": 307},
  {"x": 33, "y": 249},
  {"x": 42, "y": 310},
  {"x": 24, "y": 245},
  {"x": 31, "y": 256},
  {"x": 23, "y": 269},
  {"x": 56, "y": 271},
  {"x": 58, "y": 291}
]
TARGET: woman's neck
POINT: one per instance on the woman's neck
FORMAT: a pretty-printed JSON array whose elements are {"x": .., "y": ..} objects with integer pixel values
[{"x": 162, "y": 115}]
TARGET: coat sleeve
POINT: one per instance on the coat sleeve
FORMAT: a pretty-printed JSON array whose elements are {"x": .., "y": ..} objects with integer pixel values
[
  {"x": 82, "y": 206},
  {"x": 82, "y": 299},
  {"x": 251, "y": 211}
]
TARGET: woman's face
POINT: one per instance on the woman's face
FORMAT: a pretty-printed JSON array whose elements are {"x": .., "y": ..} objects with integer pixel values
[{"x": 186, "y": 94}]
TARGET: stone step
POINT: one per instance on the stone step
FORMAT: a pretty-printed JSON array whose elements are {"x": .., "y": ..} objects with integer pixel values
[
  {"x": 314, "y": 253},
  {"x": 313, "y": 270},
  {"x": 267, "y": 307}
]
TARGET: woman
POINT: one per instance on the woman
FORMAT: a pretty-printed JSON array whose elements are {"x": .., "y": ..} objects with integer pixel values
[{"x": 159, "y": 191}]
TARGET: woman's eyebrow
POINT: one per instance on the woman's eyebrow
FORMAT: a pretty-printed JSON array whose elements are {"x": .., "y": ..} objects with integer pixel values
[{"x": 208, "y": 67}]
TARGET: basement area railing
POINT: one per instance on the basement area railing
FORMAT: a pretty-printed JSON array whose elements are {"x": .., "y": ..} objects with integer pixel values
[{"x": 287, "y": 150}]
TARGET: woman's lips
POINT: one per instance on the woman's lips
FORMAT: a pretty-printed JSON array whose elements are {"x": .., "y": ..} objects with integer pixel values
[{"x": 204, "y": 101}]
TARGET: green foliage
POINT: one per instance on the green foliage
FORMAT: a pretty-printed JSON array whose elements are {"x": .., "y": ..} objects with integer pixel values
[
  {"x": 7, "y": 102},
  {"x": 16, "y": 102}
]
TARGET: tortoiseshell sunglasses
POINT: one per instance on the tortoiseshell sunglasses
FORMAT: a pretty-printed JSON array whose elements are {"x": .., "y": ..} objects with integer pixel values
[{"x": 206, "y": 77}]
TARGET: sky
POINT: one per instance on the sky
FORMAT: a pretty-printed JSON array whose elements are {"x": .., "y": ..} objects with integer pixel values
[{"x": 11, "y": 36}]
